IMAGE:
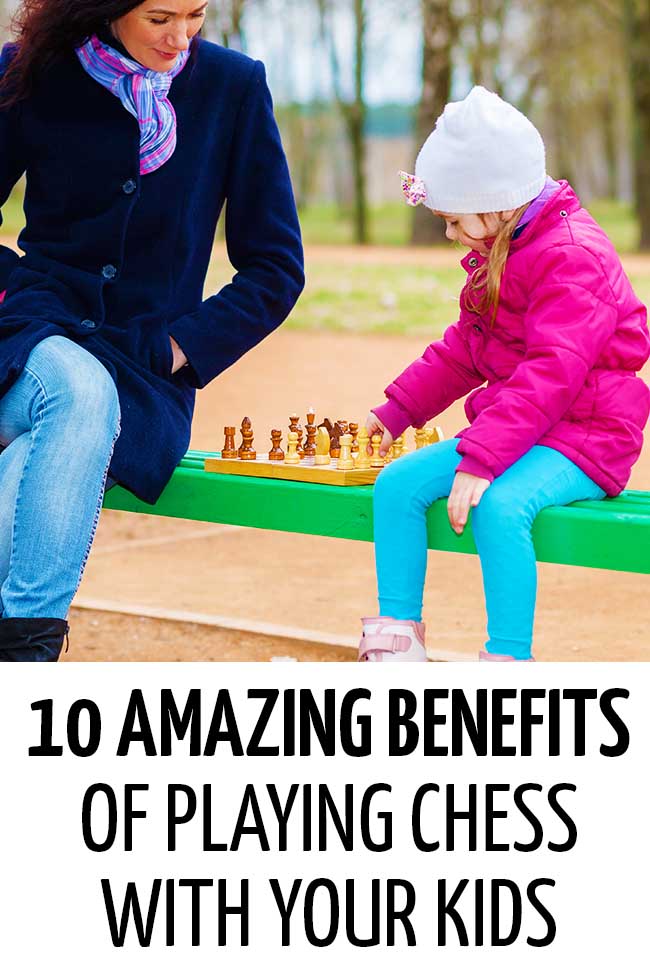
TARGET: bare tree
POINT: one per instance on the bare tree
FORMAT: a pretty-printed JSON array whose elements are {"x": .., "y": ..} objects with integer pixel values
[
  {"x": 226, "y": 23},
  {"x": 352, "y": 107},
  {"x": 637, "y": 31},
  {"x": 439, "y": 33}
]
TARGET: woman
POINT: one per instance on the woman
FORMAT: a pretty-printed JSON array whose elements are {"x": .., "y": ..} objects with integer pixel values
[{"x": 133, "y": 135}]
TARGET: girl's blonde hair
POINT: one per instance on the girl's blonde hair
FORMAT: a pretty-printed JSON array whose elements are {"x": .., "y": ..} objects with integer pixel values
[{"x": 482, "y": 294}]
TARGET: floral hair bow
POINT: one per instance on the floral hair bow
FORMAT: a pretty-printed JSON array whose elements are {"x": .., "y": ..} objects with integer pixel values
[{"x": 413, "y": 188}]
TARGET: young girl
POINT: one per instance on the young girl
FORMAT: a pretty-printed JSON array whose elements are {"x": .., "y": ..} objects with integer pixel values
[{"x": 550, "y": 336}]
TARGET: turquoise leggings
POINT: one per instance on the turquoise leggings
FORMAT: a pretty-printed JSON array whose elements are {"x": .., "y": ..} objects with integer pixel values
[{"x": 501, "y": 524}]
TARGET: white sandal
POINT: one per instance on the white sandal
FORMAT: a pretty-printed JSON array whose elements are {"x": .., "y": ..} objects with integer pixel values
[{"x": 387, "y": 640}]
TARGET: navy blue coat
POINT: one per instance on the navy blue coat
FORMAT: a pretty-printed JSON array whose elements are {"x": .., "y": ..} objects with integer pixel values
[{"x": 117, "y": 261}]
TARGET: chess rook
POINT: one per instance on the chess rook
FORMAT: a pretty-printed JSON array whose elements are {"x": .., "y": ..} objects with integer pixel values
[{"x": 229, "y": 449}]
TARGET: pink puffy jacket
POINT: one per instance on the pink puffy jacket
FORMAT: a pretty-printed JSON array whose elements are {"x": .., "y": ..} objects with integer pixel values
[{"x": 559, "y": 362}]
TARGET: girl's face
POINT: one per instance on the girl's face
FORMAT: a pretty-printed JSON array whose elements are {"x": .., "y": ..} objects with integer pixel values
[
  {"x": 156, "y": 31},
  {"x": 472, "y": 230}
]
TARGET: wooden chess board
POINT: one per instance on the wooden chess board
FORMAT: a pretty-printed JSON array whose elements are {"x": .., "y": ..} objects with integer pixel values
[{"x": 263, "y": 467}]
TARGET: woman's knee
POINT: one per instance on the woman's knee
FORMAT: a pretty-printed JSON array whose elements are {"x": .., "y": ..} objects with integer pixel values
[{"x": 74, "y": 380}]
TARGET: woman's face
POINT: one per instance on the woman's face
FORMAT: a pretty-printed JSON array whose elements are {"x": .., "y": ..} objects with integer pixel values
[{"x": 155, "y": 32}]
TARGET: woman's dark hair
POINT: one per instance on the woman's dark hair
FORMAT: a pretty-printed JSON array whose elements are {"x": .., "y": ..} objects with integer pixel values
[{"x": 46, "y": 30}]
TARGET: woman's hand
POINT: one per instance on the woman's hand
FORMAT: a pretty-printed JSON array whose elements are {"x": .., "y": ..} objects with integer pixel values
[
  {"x": 180, "y": 359},
  {"x": 374, "y": 425},
  {"x": 466, "y": 492}
]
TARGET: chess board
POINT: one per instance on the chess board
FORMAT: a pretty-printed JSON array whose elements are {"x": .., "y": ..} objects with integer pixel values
[{"x": 263, "y": 467}]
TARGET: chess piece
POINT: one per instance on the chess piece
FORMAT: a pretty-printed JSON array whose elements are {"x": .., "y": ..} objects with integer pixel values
[
  {"x": 322, "y": 456},
  {"x": 362, "y": 460},
  {"x": 434, "y": 435},
  {"x": 376, "y": 460},
  {"x": 345, "y": 461},
  {"x": 398, "y": 447},
  {"x": 390, "y": 455},
  {"x": 246, "y": 451},
  {"x": 420, "y": 438},
  {"x": 229, "y": 449},
  {"x": 276, "y": 452},
  {"x": 335, "y": 438},
  {"x": 294, "y": 427},
  {"x": 292, "y": 456},
  {"x": 310, "y": 445},
  {"x": 354, "y": 430}
]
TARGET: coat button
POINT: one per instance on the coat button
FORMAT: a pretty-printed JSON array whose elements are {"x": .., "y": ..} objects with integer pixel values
[
  {"x": 88, "y": 325},
  {"x": 563, "y": 213},
  {"x": 473, "y": 262},
  {"x": 109, "y": 271},
  {"x": 130, "y": 186},
  {"x": 477, "y": 328}
]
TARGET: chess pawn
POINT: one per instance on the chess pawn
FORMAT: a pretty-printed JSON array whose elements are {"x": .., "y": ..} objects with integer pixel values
[
  {"x": 322, "y": 456},
  {"x": 398, "y": 447},
  {"x": 390, "y": 455},
  {"x": 229, "y": 449},
  {"x": 246, "y": 451},
  {"x": 276, "y": 453},
  {"x": 376, "y": 460},
  {"x": 362, "y": 460},
  {"x": 420, "y": 438},
  {"x": 345, "y": 462},
  {"x": 292, "y": 456},
  {"x": 354, "y": 430}
]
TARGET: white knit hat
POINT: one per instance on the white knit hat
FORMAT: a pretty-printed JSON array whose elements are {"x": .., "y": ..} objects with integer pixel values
[{"x": 482, "y": 157}]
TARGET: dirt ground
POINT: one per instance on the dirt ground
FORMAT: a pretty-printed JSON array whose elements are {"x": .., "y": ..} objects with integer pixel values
[{"x": 166, "y": 589}]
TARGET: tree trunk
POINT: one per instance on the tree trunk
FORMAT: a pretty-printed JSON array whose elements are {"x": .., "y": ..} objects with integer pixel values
[
  {"x": 439, "y": 33},
  {"x": 353, "y": 110},
  {"x": 357, "y": 125},
  {"x": 638, "y": 46}
]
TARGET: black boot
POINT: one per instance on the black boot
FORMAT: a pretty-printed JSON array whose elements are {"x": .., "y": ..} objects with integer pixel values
[{"x": 25, "y": 640}]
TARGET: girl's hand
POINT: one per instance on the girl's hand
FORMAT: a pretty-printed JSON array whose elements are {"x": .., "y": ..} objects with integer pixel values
[
  {"x": 374, "y": 425},
  {"x": 466, "y": 492},
  {"x": 180, "y": 359}
]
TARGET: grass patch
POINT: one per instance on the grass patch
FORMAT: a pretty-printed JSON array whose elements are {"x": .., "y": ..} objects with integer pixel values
[{"x": 398, "y": 300}]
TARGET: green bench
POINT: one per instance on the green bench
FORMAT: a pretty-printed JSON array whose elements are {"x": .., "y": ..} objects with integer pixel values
[{"x": 611, "y": 534}]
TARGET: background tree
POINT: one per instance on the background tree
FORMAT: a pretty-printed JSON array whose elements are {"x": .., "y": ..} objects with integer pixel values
[
  {"x": 637, "y": 33},
  {"x": 352, "y": 107},
  {"x": 439, "y": 34}
]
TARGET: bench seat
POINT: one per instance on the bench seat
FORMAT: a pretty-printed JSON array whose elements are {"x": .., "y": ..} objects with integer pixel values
[{"x": 610, "y": 534}]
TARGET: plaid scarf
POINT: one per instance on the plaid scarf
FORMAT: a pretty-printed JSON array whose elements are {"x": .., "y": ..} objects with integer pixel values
[{"x": 143, "y": 93}]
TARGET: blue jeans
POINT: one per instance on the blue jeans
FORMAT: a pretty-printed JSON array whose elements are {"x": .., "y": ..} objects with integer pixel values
[
  {"x": 501, "y": 524},
  {"x": 58, "y": 425}
]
